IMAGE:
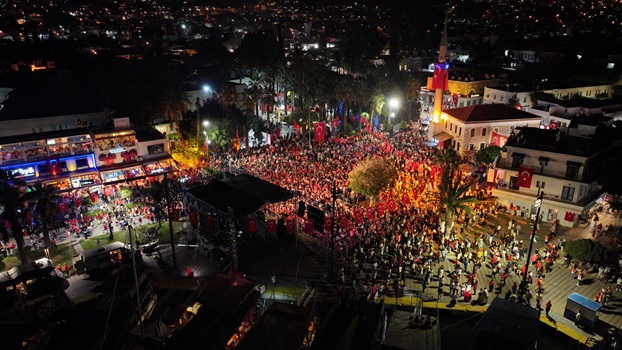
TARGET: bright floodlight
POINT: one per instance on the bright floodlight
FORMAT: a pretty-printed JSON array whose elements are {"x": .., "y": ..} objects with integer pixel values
[
  {"x": 393, "y": 102},
  {"x": 206, "y": 88},
  {"x": 183, "y": 26},
  {"x": 205, "y": 123}
]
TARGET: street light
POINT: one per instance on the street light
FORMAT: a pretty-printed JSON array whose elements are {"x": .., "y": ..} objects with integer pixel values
[
  {"x": 393, "y": 104},
  {"x": 205, "y": 145}
]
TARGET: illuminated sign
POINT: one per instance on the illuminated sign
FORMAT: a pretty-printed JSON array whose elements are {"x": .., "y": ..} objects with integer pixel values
[
  {"x": 23, "y": 172},
  {"x": 86, "y": 182},
  {"x": 117, "y": 149}
]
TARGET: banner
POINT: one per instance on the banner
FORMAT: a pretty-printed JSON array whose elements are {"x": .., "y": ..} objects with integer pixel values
[
  {"x": 391, "y": 205},
  {"x": 193, "y": 218},
  {"x": 497, "y": 139},
  {"x": 290, "y": 226},
  {"x": 271, "y": 226},
  {"x": 441, "y": 76},
  {"x": 525, "y": 175},
  {"x": 328, "y": 224},
  {"x": 569, "y": 216},
  {"x": 209, "y": 220},
  {"x": 309, "y": 226},
  {"x": 319, "y": 131},
  {"x": 251, "y": 226},
  {"x": 358, "y": 216},
  {"x": 405, "y": 199}
]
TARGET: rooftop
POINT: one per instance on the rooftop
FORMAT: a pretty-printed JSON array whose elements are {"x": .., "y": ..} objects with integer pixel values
[
  {"x": 551, "y": 140},
  {"x": 488, "y": 113}
]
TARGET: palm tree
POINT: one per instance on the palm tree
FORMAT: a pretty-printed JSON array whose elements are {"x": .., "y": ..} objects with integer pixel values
[
  {"x": 11, "y": 204},
  {"x": 43, "y": 200},
  {"x": 452, "y": 195}
]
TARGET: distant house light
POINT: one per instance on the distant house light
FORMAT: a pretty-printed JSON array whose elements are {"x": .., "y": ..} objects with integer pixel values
[{"x": 610, "y": 65}]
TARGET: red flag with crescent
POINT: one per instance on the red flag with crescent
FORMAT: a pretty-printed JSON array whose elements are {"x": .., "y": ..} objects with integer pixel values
[
  {"x": 319, "y": 130},
  {"x": 381, "y": 208},
  {"x": 358, "y": 216},
  {"x": 405, "y": 199},
  {"x": 309, "y": 226},
  {"x": 370, "y": 213},
  {"x": 175, "y": 215},
  {"x": 78, "y": 201},
  {"x": 193, "y": 218},
  {"x": 391, "y": 205},
  {"x": 251, "y": 225},
  {"x": 272, "y": 226},
  {"x": 290, "y": 226},
  {"x": 328, "y": 224},
  {"x": 525, "y": 175}
]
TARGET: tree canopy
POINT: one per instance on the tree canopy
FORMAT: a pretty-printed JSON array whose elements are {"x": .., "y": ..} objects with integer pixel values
[
  {"x": 488, "y": 154},
  {"x": 585, "y": 250},
  {"x": 372, "y": 176}
]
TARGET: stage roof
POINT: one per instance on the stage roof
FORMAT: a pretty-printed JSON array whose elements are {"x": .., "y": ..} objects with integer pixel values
[{"x": 244, "y": 193}]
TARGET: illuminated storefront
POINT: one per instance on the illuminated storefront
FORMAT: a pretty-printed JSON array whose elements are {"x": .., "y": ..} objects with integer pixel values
[
  {"x": 127, "y": 173},
  {"x": 165, "y": 165}
]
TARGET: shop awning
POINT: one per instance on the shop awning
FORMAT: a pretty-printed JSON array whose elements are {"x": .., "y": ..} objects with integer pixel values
[{"x": 442, "y": 136}]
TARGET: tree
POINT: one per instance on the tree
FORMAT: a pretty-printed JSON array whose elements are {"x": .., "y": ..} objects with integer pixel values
[
  {"x": 585, "y": 250},
  {"x": 372, "y": 176},
  {"x": 452, "y": 195},
  {"x": 174, "y": 103},
  {"x": 43, "y": 201},
  {"x": 157, "y": 195},
  {"x": 11, "y": 204},
  {"x": 488, "y": 154}
]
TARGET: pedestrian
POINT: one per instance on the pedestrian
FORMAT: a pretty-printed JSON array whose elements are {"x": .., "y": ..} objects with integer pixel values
[
  {"x": 59, "y": 270},
  {"x": 547, "y": 307},
  {"x": 577, "y": 317},
  {"x": 514, "y": 288},
  {"x": 491, "y": 285},
  {"x": 619, "y": 284},
  {"x": 538, "y": 300},
  {"x": 66, "y": 270}
]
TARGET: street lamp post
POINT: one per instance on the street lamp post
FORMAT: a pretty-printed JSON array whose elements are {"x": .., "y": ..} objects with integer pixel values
[
  {"x": 538, "y": 204},
  {"x": 206, "y": 143},
  {"x": 393, "y": 104}
]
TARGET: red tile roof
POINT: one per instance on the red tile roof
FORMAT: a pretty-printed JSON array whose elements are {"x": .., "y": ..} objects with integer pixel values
[{"x": 488, "y": 112}]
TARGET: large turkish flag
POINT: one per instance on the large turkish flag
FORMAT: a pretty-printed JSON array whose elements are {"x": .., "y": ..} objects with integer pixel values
[
  {"x": 319, "y": 130},
  {"x": 525, "y": 175}
]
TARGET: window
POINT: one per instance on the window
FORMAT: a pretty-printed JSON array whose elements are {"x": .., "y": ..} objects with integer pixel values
[
  {"x": 445, "y": 125},
  {"x": 581, "y": 191},
  {"x": 482, "y": 145},
  {"x": 472, "y": 132},
  {"x": 517, "y": 162},
  {"x": 82, "y": 163},
  {"x": 460, "y": 132},
  {"x": 494, "y": 97},
  {"x": 513, "y": 183},
  {"x": 471, "y": 147},
  {"x": 483, "y": 131},
  {"x": 495, "y": 129},
  {"x": 525, "y": 100},
  {"x": 572, "y": 171},
  {"x": 568, "y": 193},
  {"x": 458, "y": 147}
]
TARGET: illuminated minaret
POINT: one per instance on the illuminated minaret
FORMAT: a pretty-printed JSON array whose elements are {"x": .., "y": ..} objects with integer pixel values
[{"x": 440, "y": 74}]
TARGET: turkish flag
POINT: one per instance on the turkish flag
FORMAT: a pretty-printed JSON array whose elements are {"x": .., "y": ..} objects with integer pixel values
[
  {"x": 209, "y": 220},
  {"x": 358, "y": 216},
  {"x": 569, "y": 216},
  {"x": 497, "y": 139},
  {"x": 194, "y": 219},
  {"x": 525, "y": 175},
  {"x": 78, "y": 202},
  {"x": 405, "y": 199},
  {"x": 271, "y": 226},
  {"x": 290, "y": 225},
  {"x": 391, "y": 205},
  {"x": 328, "y": 224},
  {"x": 370, "y": 213},
  {"x": 441, "y": 76},
  {"x": 319, "y": 130},
  {"x": 344, "y": 222},
  {"x": 251, "y": 225},
  {"x": 309, "y": 226},
  {"x": 381, "y": 208},
  {"x": 94, "y": 197},
  {"x": 174, "y": 215}
]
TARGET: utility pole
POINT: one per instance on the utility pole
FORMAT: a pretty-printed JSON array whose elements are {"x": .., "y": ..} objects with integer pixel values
[
  {"x": 136, "y": 285},
  {"x": 538, "y": 204},
  {"x": 170, "y": 222}
]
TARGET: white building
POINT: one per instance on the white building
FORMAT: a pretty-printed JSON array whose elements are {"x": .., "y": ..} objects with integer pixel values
[
  {"x": 561, "y": 165},
  {"x": 469, "y": 129}
]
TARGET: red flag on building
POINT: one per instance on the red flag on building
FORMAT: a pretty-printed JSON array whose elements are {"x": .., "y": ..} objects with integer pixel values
[
  {"x": 441, "y": 76},
  {"x": 569, "y": 216},
  {"x": 78, "y": 201},
  {"x": 497, "y": 139},
  {"x": 309, "y": 226},
  {"x": 525, "y": 175},
  {"x": 290, "y": 226},
  {"x": 319, "y": 132},
  {"x": 328, "y": 224},
  {"x": 272, "y": 226},
  {"x": 251, "y": 225}
]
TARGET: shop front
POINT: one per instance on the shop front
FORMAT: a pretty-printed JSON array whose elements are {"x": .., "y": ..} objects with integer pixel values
[
  {"x": 161, "y": 166},
  {"x": 127, "y": 173},
  {"x": 84, "y": 180}
]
